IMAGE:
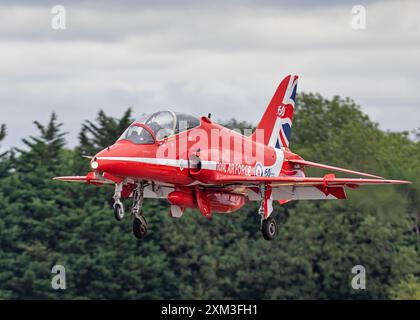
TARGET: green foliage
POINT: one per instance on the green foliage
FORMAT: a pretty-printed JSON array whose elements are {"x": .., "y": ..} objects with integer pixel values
[
  {"x": 408, "y": 289},
  {"x": 44, "y": 150},
  {"x": 43, "y": 223},
  {"x": 94, "y": 137},
  {"x": 4, "y": 160},
  {"x": 241, "y": 126},
  {"x": 2, "y": 132}
]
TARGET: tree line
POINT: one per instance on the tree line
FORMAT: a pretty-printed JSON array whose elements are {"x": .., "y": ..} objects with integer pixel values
[{"x": 44, "y": 223}]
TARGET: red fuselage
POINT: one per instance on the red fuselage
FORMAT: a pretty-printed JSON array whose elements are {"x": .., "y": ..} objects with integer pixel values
[{"x": 201, "y": 154}]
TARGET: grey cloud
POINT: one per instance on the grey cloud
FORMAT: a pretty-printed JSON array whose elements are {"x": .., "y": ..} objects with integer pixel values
[{"x": 226, "y": 60}]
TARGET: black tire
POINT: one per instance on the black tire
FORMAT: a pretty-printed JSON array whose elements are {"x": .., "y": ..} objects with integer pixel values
[
  {"x": 269, "y": 228},
  {"x": 139, "y": 228},
  {"x": 118, "y": 211}
]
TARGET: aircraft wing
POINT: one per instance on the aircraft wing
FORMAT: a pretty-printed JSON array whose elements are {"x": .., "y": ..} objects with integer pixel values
[
  {"x": 328, "y": 167},
  {"x": 90, "y": 178},
  {"x": 81, "y": 179},
  {"x": 326, "y": 181}
]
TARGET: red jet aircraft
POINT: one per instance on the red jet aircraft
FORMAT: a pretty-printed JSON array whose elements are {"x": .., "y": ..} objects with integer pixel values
[{"x": 196, "y": 163}]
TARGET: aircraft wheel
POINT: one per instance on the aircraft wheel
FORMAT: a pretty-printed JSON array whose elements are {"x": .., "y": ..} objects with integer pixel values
[
  {"x": 139, "y": 227},
  {"x": 269, "y": 228},
  {"x": 118, "y": 211}
]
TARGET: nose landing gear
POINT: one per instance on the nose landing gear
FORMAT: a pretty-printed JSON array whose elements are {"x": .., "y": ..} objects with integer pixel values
[
  {"x": 118, "y": 211},
  {"x": 118, "y": 205},
  {"x": 139, "y": 221}
]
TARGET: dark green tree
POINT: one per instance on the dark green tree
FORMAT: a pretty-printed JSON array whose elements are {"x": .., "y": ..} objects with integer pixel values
[
  {"x": 96, "y": 136},
  {"x": 5, "y": 156},
  {"x": 43, "y": 223},
  {"x": 27, "y": 203},
  {"x": 3, "y": 132},
  {"x": 407, "y": 289},
  {"x": 43, "y": 151}
]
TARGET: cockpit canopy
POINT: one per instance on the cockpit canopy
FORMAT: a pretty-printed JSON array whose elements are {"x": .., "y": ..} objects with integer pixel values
[{"x": 163, "y": 124}]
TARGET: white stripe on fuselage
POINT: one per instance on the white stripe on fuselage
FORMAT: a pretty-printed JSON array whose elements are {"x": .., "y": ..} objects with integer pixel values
[
  {"x": 183, "y": 163},
  {"x": 180, "y": 163}
]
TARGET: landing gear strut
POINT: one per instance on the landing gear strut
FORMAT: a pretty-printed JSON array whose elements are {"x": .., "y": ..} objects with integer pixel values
[
  {"x": 118, "y": 205},
  {"x": 269, "y": 227},
  {"x": 139, "y": 222}
]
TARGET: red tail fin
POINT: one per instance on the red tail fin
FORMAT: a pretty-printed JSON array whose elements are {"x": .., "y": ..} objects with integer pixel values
[{"x": 277, "y": 119}]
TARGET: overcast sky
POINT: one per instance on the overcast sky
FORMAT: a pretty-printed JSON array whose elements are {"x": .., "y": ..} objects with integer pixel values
[{"x": 225, "y": 58}]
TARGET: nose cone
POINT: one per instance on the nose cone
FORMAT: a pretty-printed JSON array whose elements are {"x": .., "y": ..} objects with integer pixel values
[
  {"x": 100, "y": 161},
  {"x": 113, "y": 159},
  {"x": 124, "y": 159}
]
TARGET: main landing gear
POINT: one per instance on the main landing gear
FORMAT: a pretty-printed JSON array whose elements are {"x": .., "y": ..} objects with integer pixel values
[
  {"x": 269, "y": 227},
  {"x": 139, "y": 221}
]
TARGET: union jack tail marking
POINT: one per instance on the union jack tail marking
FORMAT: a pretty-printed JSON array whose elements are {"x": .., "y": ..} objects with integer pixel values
[{"x": 277, "y": 119}]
